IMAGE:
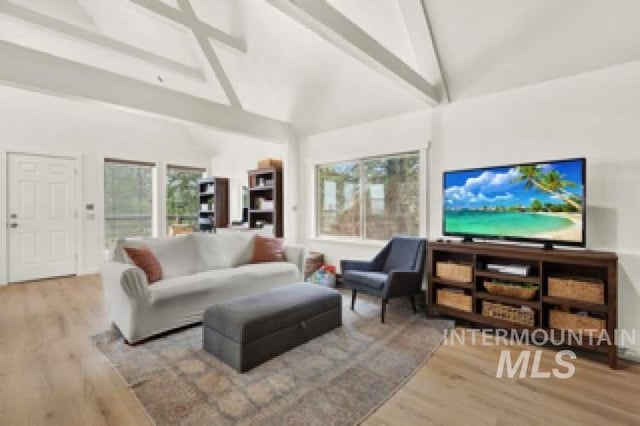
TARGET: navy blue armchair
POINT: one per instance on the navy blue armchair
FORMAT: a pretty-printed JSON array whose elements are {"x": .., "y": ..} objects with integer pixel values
[{"x": 396, "y": 271}]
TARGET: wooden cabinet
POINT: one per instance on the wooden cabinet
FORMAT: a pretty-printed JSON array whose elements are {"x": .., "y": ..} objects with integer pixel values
[
  {"x": 214, "y": 203},
  {"x": 593, "y": 266},
  {"x": 265, "y": 200}
]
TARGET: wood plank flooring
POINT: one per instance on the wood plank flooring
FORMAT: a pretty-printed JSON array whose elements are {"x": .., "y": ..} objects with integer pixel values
[{"x": 50, "y": 373}]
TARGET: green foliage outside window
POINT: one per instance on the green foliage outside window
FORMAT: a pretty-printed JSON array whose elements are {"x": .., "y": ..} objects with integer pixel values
[
  {"x": 183, "y": 196},
  {"x": 373, "y": 198}
]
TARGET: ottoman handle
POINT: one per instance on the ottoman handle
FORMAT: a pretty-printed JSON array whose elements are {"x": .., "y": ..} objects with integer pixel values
[{"x": 303, "y": 325}]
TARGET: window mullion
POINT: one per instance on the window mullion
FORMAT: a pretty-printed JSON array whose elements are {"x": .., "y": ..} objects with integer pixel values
[{"x": 363, "y": 201}]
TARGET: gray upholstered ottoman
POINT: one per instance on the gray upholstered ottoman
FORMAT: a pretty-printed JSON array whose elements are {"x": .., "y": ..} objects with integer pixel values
[{"x": 247, "y": 331}]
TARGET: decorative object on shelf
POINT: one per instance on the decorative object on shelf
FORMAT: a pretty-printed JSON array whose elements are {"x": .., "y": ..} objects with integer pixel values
[
  {"x": 584, "y": 289},
  {"x": 516, "y": 290},
  {"x": 584, "y": 323},
  {"x": 522, "y": 315},
  {"x": 454, "y": 271},
  {"x": 313, "y": 262},
  {"x": 266, "y": 200},
  {"x": 521, "y": 270},
  {"x": 454, "y": 299},
  {"x": 325, "y": 276},
  {"x": 266, "y": 204},
  {"x": 270, "y": 163}
]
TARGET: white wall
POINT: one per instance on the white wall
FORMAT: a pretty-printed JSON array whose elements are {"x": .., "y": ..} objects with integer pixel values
[
  {"x": 234, "y": 157},
  {"x": 595, "y": 115},
  {"x": 401, "y": 133},
  {"x": 38, "y": 123}
]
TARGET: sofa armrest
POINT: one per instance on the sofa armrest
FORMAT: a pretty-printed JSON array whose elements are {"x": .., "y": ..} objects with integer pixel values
[
  {"x": 297, "y": 255},
  {"x": 356, "y": 265},
  {"x": 124, "y": 278}
]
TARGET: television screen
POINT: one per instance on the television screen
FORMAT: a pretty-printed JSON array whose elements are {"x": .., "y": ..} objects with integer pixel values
[{"x": 537, "y": 202}]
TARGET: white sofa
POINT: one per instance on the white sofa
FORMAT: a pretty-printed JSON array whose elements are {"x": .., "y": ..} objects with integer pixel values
[{"x": 198, "y": 271}]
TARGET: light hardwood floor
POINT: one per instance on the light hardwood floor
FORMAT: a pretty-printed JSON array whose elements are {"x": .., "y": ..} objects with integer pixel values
[{"x": 50, "y": 373}]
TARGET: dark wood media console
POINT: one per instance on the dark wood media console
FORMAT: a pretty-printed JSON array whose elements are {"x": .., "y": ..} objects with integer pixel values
[{"x": 589, "y": 265}]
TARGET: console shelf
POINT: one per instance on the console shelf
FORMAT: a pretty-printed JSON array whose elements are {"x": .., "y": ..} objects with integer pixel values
[
  {"x": 543, "y": 264},
  {"x": 508, "y": 277},
  {"x": 483, "y": 295}
]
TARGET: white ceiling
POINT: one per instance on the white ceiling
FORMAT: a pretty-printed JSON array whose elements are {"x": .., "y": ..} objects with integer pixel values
[
  {"x": 492, "y": 45},
  {"x": 290, "y": 73}
]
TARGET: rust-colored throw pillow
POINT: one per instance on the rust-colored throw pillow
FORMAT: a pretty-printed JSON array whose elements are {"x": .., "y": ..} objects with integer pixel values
[
  {"x": 267, "y": 249},
  {"x": 144, "y": 259}
]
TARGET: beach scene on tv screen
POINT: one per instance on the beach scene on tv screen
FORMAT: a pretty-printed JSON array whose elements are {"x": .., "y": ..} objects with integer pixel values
[{"x": 540, "y": 201}]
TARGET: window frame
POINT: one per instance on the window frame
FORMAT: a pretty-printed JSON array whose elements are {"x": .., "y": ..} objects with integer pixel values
[
  {"x": 153, "y": 166},
  {"x": 362, "y": 237},
  {"x": 167, "y": 168}
]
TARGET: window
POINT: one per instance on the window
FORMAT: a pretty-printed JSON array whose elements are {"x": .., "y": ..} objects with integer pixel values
[
  {"x": 372, "y": 198},
  {"x": 128, "y": 199},
  {"x": 183, "y": 197},
  {"x": 339, "y": 196}
]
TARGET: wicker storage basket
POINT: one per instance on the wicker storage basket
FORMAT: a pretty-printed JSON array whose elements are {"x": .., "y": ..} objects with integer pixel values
[
  {"x": 567, "y": 321},
  {"x": 314, "y": 261},
  {"x": 454, "y": 300},
  {"x": 515, "y": 291},
  {"x": 454, "y": 271},
  {"x": 584, "y": 289},
  {"x": 507, "y": 313}
]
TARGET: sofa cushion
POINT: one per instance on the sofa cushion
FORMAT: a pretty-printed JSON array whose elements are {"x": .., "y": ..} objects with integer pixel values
[
  {"x": 227, "y": 282},
  {"x": 266, "y": 249},
  {"x": 176, "y": 254},
  {"x": 403, "y": 254},
  {"x": 374, "y": 280},
  {"x": 222, "y": 250},
  {"x": 145, "y": 260}
]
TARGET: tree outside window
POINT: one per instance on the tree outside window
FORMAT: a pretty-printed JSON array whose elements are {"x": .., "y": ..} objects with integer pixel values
[
  {"x": 183, "y": 196},
  {"x": 387, "y": 205}
]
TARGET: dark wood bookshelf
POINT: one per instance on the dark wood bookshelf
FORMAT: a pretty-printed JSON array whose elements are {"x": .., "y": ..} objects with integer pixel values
[
  {"x": 213, "y": 191},
  {"x": 265, "y": 185},
  {"x": 543, "y": 264}
]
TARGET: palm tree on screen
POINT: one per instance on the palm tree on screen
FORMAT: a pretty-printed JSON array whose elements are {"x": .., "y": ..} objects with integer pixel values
[{"x": 551, "y": 182}]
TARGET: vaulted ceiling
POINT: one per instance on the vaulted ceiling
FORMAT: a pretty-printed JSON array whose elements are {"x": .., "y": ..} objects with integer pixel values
[{"x": 313, "y": 64}]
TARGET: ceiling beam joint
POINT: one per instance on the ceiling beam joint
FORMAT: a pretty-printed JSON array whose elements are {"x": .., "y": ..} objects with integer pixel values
[
  {"x": 326, "y": 21},
  {"x": 235, "y": 44},
  {"x": 48, "y": 23}
]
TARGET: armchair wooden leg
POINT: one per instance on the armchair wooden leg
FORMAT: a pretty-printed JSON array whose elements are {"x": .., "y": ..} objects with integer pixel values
[
  {"x": 353, "y": 299},
  {"x": 413, "y": 303},
  {"x": 384, "y": 309}
]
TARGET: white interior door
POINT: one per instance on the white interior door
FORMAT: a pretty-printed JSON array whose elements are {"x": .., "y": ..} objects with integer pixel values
[{"x": 41, "y": 218}]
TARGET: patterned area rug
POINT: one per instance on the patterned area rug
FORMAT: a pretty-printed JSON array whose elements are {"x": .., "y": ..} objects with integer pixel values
[{"x": 337, "y": 379}]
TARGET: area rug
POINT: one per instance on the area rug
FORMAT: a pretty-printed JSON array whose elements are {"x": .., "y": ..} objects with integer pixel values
[{"x": 337, "y": 379}]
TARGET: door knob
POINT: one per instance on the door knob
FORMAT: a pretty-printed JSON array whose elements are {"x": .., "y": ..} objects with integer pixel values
[
  {"x": 13, "y": 225},
  {"x": 13, "y": 216}
]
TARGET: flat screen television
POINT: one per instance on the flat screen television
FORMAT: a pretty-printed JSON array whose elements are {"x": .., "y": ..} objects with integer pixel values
[{"x": 541, "y": 202}]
